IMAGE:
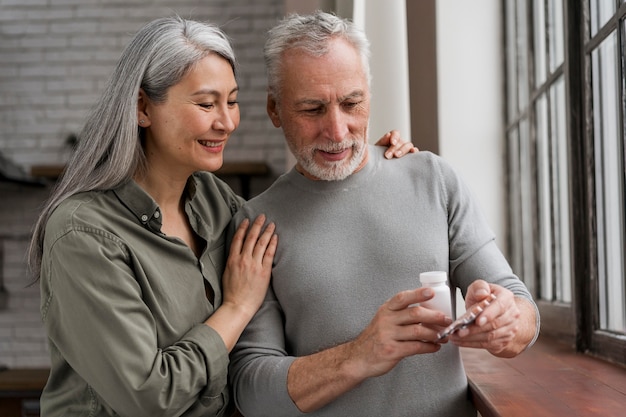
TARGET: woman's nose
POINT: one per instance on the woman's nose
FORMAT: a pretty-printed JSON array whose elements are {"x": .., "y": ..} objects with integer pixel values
[{"x": 226, "y": 121}]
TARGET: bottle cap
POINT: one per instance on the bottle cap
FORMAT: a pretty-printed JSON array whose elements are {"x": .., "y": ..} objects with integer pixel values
[{"x": 433, "y": 277}]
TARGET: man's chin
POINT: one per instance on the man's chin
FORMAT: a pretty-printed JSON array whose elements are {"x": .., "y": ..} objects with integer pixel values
[
  {"x": 326, "y": 172},
  {"x": 321, "y": 167}
]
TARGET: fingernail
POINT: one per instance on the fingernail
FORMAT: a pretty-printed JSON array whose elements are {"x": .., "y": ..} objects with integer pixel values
[
  {"x": 482, "y": 292},
  {"x": 462, "y": 333},
  {"x": 427, "y": 292},
  {"x": 481, "y": 321}
]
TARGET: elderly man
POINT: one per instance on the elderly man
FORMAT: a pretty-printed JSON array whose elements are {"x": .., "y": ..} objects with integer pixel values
[{"x": 340, "y": 332}]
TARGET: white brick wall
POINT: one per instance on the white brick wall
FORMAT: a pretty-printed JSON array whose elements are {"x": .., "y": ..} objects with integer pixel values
[
  {"x": 55, "y": 56},
  {"x": 22, "y": 339}
]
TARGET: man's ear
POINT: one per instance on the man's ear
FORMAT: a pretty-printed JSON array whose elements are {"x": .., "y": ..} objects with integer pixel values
[
  {"x": 142, "y": 109},
  {"x": 272, "y": 111}
]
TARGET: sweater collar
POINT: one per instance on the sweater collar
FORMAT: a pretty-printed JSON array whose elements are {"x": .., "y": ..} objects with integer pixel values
[{"x": 355, "y": 180}]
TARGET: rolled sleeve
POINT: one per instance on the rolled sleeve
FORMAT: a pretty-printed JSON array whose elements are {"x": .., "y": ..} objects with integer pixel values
[{"x": 216, "y": 359}]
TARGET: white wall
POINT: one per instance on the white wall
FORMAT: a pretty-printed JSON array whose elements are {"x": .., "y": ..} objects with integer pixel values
[
  {"x": 384, "y": 24},
  {"x": 471, "y": 106}
]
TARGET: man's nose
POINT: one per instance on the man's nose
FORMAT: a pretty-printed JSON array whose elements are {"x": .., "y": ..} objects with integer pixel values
[{"x": 336, "y": 125}]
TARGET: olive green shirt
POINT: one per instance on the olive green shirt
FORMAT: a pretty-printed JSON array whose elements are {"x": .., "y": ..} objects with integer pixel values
[{"x": 124, "y": 305}]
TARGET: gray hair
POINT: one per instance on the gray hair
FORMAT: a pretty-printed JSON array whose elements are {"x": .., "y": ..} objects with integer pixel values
[
  {"x": 311, "y": 33},
  {"x": 109, "y": 150}
]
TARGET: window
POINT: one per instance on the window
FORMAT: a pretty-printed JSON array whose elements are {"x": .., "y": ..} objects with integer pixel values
[{"x": 566, "y": 165}]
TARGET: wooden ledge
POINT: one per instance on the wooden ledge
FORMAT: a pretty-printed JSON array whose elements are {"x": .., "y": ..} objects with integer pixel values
[
  {"x": 244, "y": 170},
  {"x": 549, "y": 379},
  {"x": 26, "y": 379},
  {"x": 20, "y": 390},
  {"x": 251, "y": 168}
]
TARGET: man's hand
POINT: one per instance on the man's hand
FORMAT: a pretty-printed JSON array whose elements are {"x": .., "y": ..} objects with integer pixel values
[
  {"x": 396, "y": 146},
  {"x": 395, "y": 332},
  {"x": 504, "y": 328},
  {"x": 398, "y": 331}
]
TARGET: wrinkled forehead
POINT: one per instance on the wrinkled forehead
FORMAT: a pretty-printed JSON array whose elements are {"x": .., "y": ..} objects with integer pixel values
[{"x": 341, "y": 66}]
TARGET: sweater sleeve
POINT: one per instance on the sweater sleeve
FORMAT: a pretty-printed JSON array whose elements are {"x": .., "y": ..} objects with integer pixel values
[
  {"x": 97, "y": 321},
  {"x": 474, "y": 253},
  {"x": 259, "y": 362},
  {"x": 259, "y": 366}
]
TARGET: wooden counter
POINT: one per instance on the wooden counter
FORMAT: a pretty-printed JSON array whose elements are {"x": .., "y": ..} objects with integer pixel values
[
  {"x": 549, "y": 379},
  {"x": 243, "y": 170},
  {"x": 20, "y": 390}
]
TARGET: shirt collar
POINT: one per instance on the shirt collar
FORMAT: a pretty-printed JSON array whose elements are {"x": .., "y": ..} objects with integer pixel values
[{"x": 143, "y": 206}]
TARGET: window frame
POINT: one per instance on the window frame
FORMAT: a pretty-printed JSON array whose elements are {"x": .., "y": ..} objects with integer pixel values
[
  {"x": 599, "y": 342},
  {"x": 576, "y": 322}
]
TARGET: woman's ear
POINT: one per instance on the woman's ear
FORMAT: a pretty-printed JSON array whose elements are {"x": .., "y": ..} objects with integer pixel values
[
  {"x": 272, "y": 111},
  {"x": 142, "y": 109}
]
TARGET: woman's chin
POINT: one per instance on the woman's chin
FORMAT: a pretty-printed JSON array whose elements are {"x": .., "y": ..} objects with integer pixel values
[{"x": 214, "y": 164}]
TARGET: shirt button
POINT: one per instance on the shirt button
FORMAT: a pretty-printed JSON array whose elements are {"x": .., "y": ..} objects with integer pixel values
[
  {"x": 144, "y": 218},
  {"x": 157, "y": 214}
]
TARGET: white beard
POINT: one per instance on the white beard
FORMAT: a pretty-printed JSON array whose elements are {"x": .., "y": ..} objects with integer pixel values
[{"x": 330, "y": 170}]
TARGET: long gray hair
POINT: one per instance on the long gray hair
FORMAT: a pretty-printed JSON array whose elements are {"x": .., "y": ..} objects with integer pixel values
[
  {"x": 109, "y": 150},
  {"x": 311, "y": 33}
]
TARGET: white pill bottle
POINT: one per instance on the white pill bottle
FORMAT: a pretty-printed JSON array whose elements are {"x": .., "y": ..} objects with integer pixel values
[{"x": 438, "y": 282}]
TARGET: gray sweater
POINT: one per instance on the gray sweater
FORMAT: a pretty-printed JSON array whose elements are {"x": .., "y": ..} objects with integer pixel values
[{"x": 344, "y": 248}]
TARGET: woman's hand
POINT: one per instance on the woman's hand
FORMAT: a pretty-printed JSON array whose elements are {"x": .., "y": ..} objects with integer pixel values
[
  {"x": 245, "y": 279},
  {"x": 396, "y": 146},
  {"x": 249, "y": 264}
]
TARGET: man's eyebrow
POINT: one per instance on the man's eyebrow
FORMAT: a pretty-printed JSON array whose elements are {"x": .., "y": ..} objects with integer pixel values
[
  {"x": 312, "y": 102},
  {"x": 354, "y": 94}
]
